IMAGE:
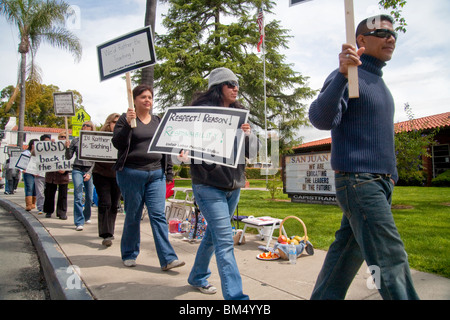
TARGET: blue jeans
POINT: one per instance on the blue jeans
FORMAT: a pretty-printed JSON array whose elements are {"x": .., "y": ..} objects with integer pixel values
[
  {"x": 217, "y": 207},
  {"x": 80, "y": 214},
  {"x": 367, "y": 232},
  {"x": 28, "y": 180},
  {"x": 149, "y": 187}
]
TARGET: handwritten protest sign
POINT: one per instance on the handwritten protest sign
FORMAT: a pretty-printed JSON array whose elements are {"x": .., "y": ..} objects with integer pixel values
[
  {"x": 63, "y": 104},
  {"x": 22, "y": 162},
  {"x": 50, "y": 156},
  {"x": 132, "y": 51},
  {"x": 124, "y": 54},
  {"x": 294, "y": 2},
  {"x": 97, "y": 146},
  {"x": 211, "y": 134}
]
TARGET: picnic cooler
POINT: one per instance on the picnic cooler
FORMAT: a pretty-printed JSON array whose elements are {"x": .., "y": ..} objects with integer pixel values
[{"x": 304, "y": 244}]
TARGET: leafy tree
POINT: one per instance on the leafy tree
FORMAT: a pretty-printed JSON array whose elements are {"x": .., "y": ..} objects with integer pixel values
[
  {"x": 204, "y": 34},
  {"x": 38, "y": 21},
  {"x": 396, "y": 12},
  {"x": 39, "y": 105},
  {"x": 411, "y": 146}
]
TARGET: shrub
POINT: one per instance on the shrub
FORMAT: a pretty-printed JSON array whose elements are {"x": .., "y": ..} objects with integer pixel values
[{"x": 442, "y": 180}]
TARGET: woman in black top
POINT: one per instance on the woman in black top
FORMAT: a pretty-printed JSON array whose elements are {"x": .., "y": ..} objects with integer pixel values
[
  {"x": 107, "y": 190},
  {"x": 141, "y": 177}
]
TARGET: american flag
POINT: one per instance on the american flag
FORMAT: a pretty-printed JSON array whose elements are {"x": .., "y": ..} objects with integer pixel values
[{"x": 260, "y": 22}]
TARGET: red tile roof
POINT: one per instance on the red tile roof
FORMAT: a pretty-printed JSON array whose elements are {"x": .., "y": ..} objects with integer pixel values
[
  {"x": 41, "y": 129},
  {"x": 425, "y": 123}
]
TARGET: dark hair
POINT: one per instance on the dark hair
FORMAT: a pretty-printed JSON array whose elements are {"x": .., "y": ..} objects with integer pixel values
[
  {"x": 213, "y": 96},
  {"x": 141, "y": 88},
  {"x": 363, "y": 26},
  {"x": 31, "y": 143},
  {"x": 45, "y": 136}
]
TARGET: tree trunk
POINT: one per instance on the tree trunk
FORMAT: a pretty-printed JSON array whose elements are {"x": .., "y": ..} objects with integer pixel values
[
  {"x": 23, "y": 79},
  {"x": 150, "y": 16}
]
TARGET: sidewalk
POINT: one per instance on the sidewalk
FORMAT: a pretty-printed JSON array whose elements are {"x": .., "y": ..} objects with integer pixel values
[{"x": 62, "y": 250}]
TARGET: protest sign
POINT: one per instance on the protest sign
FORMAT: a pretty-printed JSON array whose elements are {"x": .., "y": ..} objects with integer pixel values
[
  {"x": 50, "y": 156},
  {"x": 96, "y": 146},
  {"x": 294, "y": 2},
  {"x": 63, "y": 104},
  {"x": 64, "y": 107},
  {"x": 211, "y": 134},
  {"x": 22, "y": 162},
  {"x": 132, "y": 51}
]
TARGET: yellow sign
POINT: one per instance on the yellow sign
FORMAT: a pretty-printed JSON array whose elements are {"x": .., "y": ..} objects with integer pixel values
[
  {"x": 76, "y": 131},
  {"x": 80, "y": 117}
]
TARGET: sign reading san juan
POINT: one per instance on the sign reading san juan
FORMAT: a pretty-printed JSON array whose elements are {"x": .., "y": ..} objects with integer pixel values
[
  {"x": 309, "y": 178},
  {"x": 212, "y": 134},
  {"x": 126, "y": 53}
]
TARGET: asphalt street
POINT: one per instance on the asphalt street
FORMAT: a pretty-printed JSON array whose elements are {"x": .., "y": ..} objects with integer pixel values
[{"x": 21, "y": 276}]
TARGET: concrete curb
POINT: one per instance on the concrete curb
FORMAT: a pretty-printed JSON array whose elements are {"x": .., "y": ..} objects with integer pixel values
[{"x": 62, "y": 280}]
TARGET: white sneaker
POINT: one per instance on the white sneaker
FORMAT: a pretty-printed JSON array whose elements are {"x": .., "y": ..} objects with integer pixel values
[
  {"x": 173, "y": 264},
  {"x": 79, "y": 228},
  {"x": 208, "y": 289},
  {"x": 88, "y": 221},
  {"x": 129, "y": 263}
]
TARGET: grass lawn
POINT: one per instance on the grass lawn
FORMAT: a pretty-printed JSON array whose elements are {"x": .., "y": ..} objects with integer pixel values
[{"x": 422, "y": 216}]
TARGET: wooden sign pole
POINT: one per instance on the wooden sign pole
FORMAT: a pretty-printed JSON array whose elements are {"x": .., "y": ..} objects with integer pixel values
[
  {"x": 67, "y": 127},
  {"x": 130, "y": 97},
  {"x": 353, "y": 87}
]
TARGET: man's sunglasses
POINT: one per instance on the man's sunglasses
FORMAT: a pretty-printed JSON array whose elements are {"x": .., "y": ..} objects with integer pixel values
[
  {"x": 231, "y": 84},
  {"x": 382, "y": 33}
]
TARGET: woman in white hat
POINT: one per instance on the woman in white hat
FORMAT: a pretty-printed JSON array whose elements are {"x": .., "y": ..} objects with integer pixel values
[{"x": 217, "y": 189}]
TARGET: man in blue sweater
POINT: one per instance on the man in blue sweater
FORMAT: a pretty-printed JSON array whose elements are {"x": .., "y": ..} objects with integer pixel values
[{"x": 363, "y": 158}]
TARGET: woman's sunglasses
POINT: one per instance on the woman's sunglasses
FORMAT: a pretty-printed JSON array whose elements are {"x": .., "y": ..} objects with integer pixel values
[
  {"x": 382, "y": 33},
  {"x": 231, "y": 84}
]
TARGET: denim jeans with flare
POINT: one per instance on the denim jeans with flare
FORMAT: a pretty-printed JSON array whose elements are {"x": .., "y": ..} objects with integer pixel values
[
  {"x": 80, "y": 214},
  {"x": 140, "y": 187},
  {"x": 217, "y": 207}
]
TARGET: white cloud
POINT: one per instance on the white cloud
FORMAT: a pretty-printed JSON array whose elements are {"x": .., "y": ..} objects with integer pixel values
[{"x": 418, "y": 73}]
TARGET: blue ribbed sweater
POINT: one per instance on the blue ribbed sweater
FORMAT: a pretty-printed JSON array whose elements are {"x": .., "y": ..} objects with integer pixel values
[{"x": 362, "y": 130}]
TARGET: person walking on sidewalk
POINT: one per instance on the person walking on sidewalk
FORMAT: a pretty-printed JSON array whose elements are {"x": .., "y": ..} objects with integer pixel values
[
  {"x": 81, "y": 177},
  {"x": 28, "y": 180},
  {"x": 141, "y": 177},
  {"x": 216, "y": 191},
  {"x": 107, "y": 190},
  {"x": 363, "y": 158},
  {"x": 56, "y": 180},
  {"x": 39, "y": 181}
]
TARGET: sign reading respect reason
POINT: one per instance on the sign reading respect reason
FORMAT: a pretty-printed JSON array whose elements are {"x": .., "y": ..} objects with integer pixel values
[
  {"x": 50, "y": 156},
  {"x": 126, "y": 53},
  {"x": 212, "y": 134},
  {"x": 97, "y": 146}
]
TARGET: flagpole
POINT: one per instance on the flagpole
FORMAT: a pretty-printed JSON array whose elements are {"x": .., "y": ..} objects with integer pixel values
[{"x": 265, "y": 98}]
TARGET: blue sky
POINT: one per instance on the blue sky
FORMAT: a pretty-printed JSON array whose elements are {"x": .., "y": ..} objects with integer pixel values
[{"x": 418, "y": 74}]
